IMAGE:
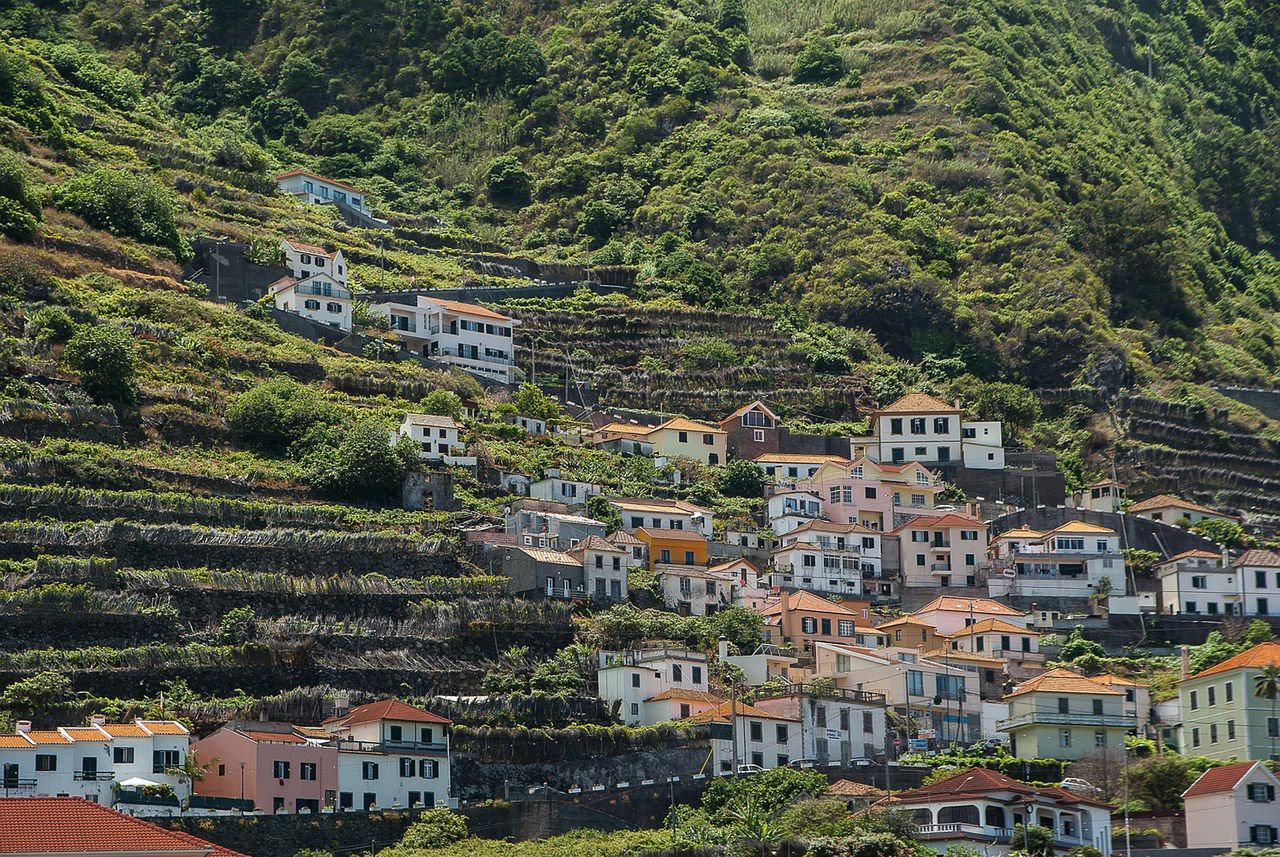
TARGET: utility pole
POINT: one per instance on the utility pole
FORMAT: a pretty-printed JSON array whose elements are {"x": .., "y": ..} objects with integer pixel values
[
  {"x": 733, "y": 721},
  {"x": 1128, "y": 841}
]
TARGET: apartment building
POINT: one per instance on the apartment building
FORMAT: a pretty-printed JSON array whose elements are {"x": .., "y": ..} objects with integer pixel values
[
  {"x": 1198, "y": 582},
  {"x": 827, "y": 558},
  {"x": 655, "y": 514},
  {"x": 866, "y": 492},
  {"x": 942, "y": 550},
  {"x": 1069, "y": 561},
  {"x": 1233, "y": 806},
  {"x": 835, "y": 724},
  {"x": 270, "y": 764},
  {"x": 1017, "y": 647},
  {"x": 1222, "y": 717},
  {"x": 389, "y": 754},
  {"x": 632, "y": 678},
  {"x": 1063, "y": 715},
  {"x": 920, "y": 427},
  {"x": 761, "y": 738}
]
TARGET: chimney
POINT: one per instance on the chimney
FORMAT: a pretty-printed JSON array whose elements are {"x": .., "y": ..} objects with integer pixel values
[
  {"x": 24, "y": 725},
  {"x": 1186, "y": 661},
  {"x": 723, "y": 650},
  {"x": 341, "y": 704},
  {"x": 98, "y": 720}
]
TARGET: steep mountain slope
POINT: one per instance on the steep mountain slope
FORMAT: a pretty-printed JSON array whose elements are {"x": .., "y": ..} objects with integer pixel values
[{"x": 1053, "y": 191}]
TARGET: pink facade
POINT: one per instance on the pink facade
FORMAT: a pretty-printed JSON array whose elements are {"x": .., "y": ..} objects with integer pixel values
[
  {"x": 282, "y": 772},
  {"x": 849, "y": 500}
]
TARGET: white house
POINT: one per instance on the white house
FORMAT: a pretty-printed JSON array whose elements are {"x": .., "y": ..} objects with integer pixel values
[
  {"x": 318, "y": 297},
  {"x": 471, "y": 337},
  {"x": 1105, "y": 495},
  {"x": 1234, "y": 806},
  {"x": 1259, "y": 573},
  {"x": 605, "y": 566},
  {"x": 532, "y": 425},
  {"x": 787, "y": 468},
  {"x": 438, "y": 437},
  {"x": 762, "y": 738},
  {"x": 552, "y": 486},
  {"x": 692, "y": 590},
  {"x": 789, "y": 509},
  {"x": 951, "y": 614},
  {"x": 90, "y": 761},
  {"x": 823, "y": 557},
  {"x": 393, "y": 753},
  {"x": 1169, "y": 509},
  {"x": 1069, "y": 561},
  {"x": 1198, "y": 582},
  {"x": 630, "y": 678},
  {"x": 1017, "y": 646},
  {"x": 836, "y": 724},
  {"x": 980, "y": 808},
  {"x": 655, "y": 514},
  {"x": 311, "y": 189},
  {"x": 942, "y": 550},
  {"x": 306, "y": 260},
  {"x": 920, "y": 427}
]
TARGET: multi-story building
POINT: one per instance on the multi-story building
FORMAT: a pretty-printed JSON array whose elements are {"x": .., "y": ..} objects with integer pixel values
[
  {"x": 311, "y": 189},
  {"x": 605, "y": 566},
  {"x": 391, "y": 753},
  {"x": 1169, "y": 509},
  {"x": 270, "y": 764},
  {"x": 788, "y": 509},
  {"x": 306, "y": 260},
  {"x": 543, "y": 572},
  {"x": 919, "y": 427},
  {"x": 91, "y": 761},
  {"x": 552, "y": 486},
  {"x": 1259, "y": 574},
  {"x": 1069, "y": 561},
  {"x": 1137, "y": 698},
  {"x": 675, "y": 438},
  {"x": 1105, "y": 495},
  {"x": 979, "y": 809},
  {"x": 951, "y": 614},
  {"x": 693, "y": 590},
  {"x": 1063, "y": 715},
  {"x": 1018, "y": 647},
  {"x": 758, "y": 737},
  {"x": 633, "y": 677},
  {"x": 800, "y": 619},
  {"x": 835, "y": 724},
  {"x": 912, "y": 632},
  {"x": 1198, "y": 582},
  {"x": 788, "y": 468},
  {"x": 831, "y": 559},
  {"x": 751, "y": 430},
  {"x": 438, "y": 438},
  {"x": 655, "y": 514},
  {"x": 942, "y": 550},
  {"x": 1233, "y": 806},
  {"x": 1222, "y": 717},
  {"x": 868, "y": 493},
  {"x": 538, "y": 524},
  {"x": 471, "y": 337}
]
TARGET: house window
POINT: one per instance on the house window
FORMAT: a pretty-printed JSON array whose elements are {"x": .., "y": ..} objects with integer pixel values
[
  {"x": 758, "y": 436},
  {"x": 895, "y": 425},
  {"x": 312, "y": 305},
  {"x": 46, "y": 762},
  {"x": 369, "y": 771},
  {"x": 1213, "y": 695},
  {"x": 941, "y": 425},
  {"x": 1195, "y": 737},
  {"x": 1262, "y": 792},
  {"x": 635, "y": 679},
  {"x": 915, "y": 683},
  {"x": 708, "y": 440},
  {"x": 845, "y": 628},
  {"x": 1099, "y": 739},
  {"x": 677, "y": 673},
  {"x": 1097, "y": 707},
  {"x": 757, "y": 731},
  {"x": 1262, "y": 834},
  {"x": 280, "y": 770},
  {"x": 684, "y": 437},
  {"x": 163, "y": 760},
  {"x": 1064, "y": 737},
  {"x": 1231, "y": 730},
  {"x": 809, "y": 625},
  {"x": 1195, "y": 700},
  {"x": 666, "y": 555},
  {"x": 917, "y": 425},
  {"x": 333, "y": 308},
  {"x": 306, "y": 770},
  {"x": 1229, "y": 689},
  {"x": 1064, "y": 705},
  {"x": 428, "y": 769},
  {"x": 122, "y": 755},
  {"x": 780, "y": 733},
  {"x": 1213, "y": 733},
  {"x": 696, "y": 672}
]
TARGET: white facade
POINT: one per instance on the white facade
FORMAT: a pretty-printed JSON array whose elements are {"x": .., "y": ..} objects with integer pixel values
[
  {"x": 1103, "y": 496},
  {"x": 438, "y": 438},
  {"x": 662, "y": 515},
  {"x": 471, "y": 337},
  {"x": 789, "y": 509},
  {"x": 764, "y": 739},
  {"x": 605, "y": 566},
  {"x": 1259, "y": 575},
  {"x": 319, "y": 297},
  {"x": 531, "y": 425},
  {"x": 410, "y": 770},
  {"x": 1069, "y": 561},
  {"x": 568, "y": 491},
  {"x": 982, "y": 445},
  {"x": 88, "y": 761},
  {"x": 312, "y": 189},
  {"x": 694, "y": 591},
  {"x": 306, "y": 260},
  {"x": 632, "y": 677},
  {"x": 1198, "y": 583},
  {"x": 919, "y": 427},
  {"x": 835, "y": 724},
  {"x": 1234, "y": 807}
]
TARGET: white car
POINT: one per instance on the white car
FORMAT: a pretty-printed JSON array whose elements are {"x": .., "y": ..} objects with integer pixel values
[{"x": 750, "y": 769}]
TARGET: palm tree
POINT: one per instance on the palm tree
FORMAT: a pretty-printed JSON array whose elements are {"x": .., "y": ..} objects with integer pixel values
[{"x": 1267, "y": 686}]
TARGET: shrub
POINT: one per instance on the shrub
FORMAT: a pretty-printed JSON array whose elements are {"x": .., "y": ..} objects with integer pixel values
[
  {"x": 818, "y": 62},
  {"x": 708, "y": 352},
  {"x": 15, "y": 221},
  {"x": 51, "y": 324},
  {"x": 274, "y": 416},
  {"x": 238, "y": 625},
  {"x": 104, "y": 356},
  {"x": 1225, "y": 533},
  {"x": 40, "y": 691},
  {"x": 125, "y": 204},
  {"x": 435, "y": 828},
  {"x": 443, "y": 403},
  {"x": 19, "y": 202},
  {"x": 507, "y": 181},
  {"x": 365, "y": 466}
]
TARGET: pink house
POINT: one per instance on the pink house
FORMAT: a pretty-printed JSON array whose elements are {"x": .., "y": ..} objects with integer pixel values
[
  {"x": 867, "y": 493},
  {"x": 278, "y": 766}
]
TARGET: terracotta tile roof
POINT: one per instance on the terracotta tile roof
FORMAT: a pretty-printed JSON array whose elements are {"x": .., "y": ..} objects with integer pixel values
[
  {"x": 467, "y": 309},
  {"x": 722, "y": 713},
  {"x": 655, "y": 504},
  {"x": 848, "y": 788},
  {"x": 549, "y": 556},
  {"x": 596, "y": 543},
  {"x": 312, "y": 175},
  {"x": 800, "y": 458},
  {"x": 1019, "y": 533},
  {"x": 726, "y": 566},
  {"x": 944, "y": 655},
  {"x": 387, "y": 709},
  {"x": 1221, "y": 779},
  {"x": 992, "y": 625},
  {"x": 681, "y": 424},
  {"x": 275, "y": 737},
  {"x": 42, "y": 825},
  {"x": 48, "y": 736},
  {"x": 952, "y": 604},
  {"x": 1116, "y": 680},
  {"x": 310, "y": 248},
  {"x": 982, "y": 783},
  {"x": 833, "y": 527},
  {"x": 282, "y": 283},
  {"x": 164, "y": 727},
  {"x": 947, "y": 521},
  {"x": 313, "y": 732},
  {"x": 803, "y": 600},
  {"x": 918, "y": 403},
  {"x": 1166, "y": 501},
  {"x": 1081, "y": 527},
  {"x": 622, "y": 537},
  {"x": 14, "y": 742},
  {"x": 1191, "y": 554},
  {"x": 905, "y": 620},
  {"x": 85, "y": 733},
  {"x": 125, "y": 730},
  {"x": 686, "y": 696},
  {"x": 1062, "y": 681},
  {"x": 1262, "y": 655},
  {"x": 671, "y": 535},
  {"x": 1259, "y": 558}
]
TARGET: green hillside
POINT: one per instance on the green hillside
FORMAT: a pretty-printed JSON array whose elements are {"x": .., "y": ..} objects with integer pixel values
[{"x": 1053, "y": 191}]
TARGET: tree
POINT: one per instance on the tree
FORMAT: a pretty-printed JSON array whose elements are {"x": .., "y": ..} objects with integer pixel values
[
  {"x": 104, "y": 357},
  {"x": 774, "y": 790},
  {"x": 20, "y": 204},
  {"x": 529, "y": 401},
  {"x": 41, "y": 691},
  {"x": 302, "y": 80},
  {"x": 1266, "y": 685},
  {"x": 740, "y": 478},
  {"x": 818, "y": 62},
  {"x": 1140, "y": 560},
  {"x": 1076, "y": 645},
  {"x": 1033, "y": 840},
  {"x": 1258, "y": 632},
  {"x": 507, "y": 181},
  {"x": 435, "y": 828},
  {"x": 1214, "y": 650},
  {"x": 602, "y": 510},
  {"x": 277, "y": 415},
  {"x": 124, "y": 203},
  {"x": 1225, "y": 533},
  {"x": 442, "y": 403},
  {"x": 367, "y": 465}
]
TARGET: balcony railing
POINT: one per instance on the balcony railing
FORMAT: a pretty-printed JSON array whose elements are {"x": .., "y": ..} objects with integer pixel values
[
  {"x": 478, "y": 357},
  {"x": 16, "y": 784},
  {"x": 323, "y": 291},
  {"x": 839, "y": 693},
  {"x": 1077, "y": 718},
  {"x": 94, "y": 776},
  {"x": 351, "y": 745},
  {"x": 998, "y": 834},
  {"x": 140, "y": 798}
]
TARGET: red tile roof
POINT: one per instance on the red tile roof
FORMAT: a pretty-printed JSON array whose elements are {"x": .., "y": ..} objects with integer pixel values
[
  {"x": 278, "y": 737},
  {"x": 312, "y": 175},
  {"x": 947, "y": 521},
  {"x": 802, "y": 600},
  {"x": 1222, "y": 779},
  {"x": 164, "y": 727},
  {"x": 848, "y": 788},
  {"x": 1062, "y": 681},
  {"x": 1165, "y": 501},
  {"x": 962, "y": 605},
  {"x": 725, "y": 710},
  {"x": 44, "y": 825},
  {"x": 387, "y": 709},
  {"x": 311, "y": 248},
  {"x": 1259, "y": 558},
  {"x": 918, "y": 403},
  {"x": 468, "y": 309},
  {"x": 980, "y": 783},
  {"x": 686, "y": 696},
  {"x": 1262, "y": 655}
]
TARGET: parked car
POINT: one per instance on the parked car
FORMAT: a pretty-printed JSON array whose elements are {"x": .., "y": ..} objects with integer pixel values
[
  {"x": 802, "y": 763},
  {"x": 749, "y": 769}
]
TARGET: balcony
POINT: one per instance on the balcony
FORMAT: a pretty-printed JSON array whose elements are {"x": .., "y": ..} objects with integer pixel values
[
  {"x": 838, "y": 693},
  {"x": 323, "y": 291},
  {"x": 16, "y": 784},
  {"x": 350, "y": 745},
  {"x": 941, "y": 568},
  {"x": 477, "y": 357},
  {"x": 940, "y": 544},
  {"x": 138, "y": 797},
  {"x": 983, "y": 831},
  {"x": 94, "y": 776},
  {"x": 1075, "y": 718},
  {"x": 407, "y": 326}
]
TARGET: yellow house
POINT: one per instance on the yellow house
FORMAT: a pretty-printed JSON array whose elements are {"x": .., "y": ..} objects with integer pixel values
[
  {"x": 676, "y": 437},
  {"x": 679, "y": 547},
  {"x": 1063, "y": 715}
]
